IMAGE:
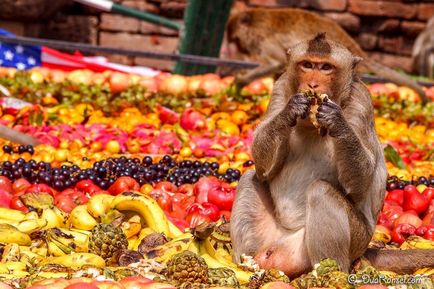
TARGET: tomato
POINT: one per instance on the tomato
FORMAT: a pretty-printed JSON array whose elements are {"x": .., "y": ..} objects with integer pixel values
[
  {"x": 429, "y": 193},
  {"x": 222, "y": 196},
  {"x": 167, "y": 187},
  {"x": 226, "y": 215},
  {"x": 202, "y": 187},
  {"x": 195, "y": 219},
  {"x": 413, "y": 200},
  {"x": 396, "y": 196},
  {"x": 20, "y": 185},
  {"x": 163, "y": 199},
  {"x": 401, "y": 232},
  {"x": 409, "y": 218},
  {"x": 5, "y": 184},
  {"x": 17, "y": 204},
  {"x": 81, "y": 285},
  {"x": 5, "y": 199},
  {"x": 124, "y": 184},
  {"x": 37, "y": 188},
  {"x": 87, "y": 186},
  {"x": 205, "y": 209}
]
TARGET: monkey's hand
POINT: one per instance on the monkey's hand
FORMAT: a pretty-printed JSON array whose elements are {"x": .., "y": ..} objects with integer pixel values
[
  {"x": 298, "y": 106},
  {"x": 330, "y": 116}
]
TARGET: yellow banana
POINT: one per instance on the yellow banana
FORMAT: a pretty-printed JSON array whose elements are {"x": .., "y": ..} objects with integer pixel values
[
  {"x": 11, "y": 253},
  {"x": 99, "y": 205},
  {"x": 81, "y": 219},
  {"x": 76, "y": 260},
  {"x": 31, "y": 216},
  {"x": 416, "y": 242},
  {"x": 164, "y": 252},
  {"x": 52, "y": 218},
  {"x": 55, "y": 250},
  {"x": 14, "y": 275},
  {"x": 50, "y": 275},
  {"x": 76, "y": 241},
  {"x": 10, "y": 234},
  {"x": 9, "y": 267},
  {"x": 132, "y": 227},
  {"x": 194, "y": 247},
  {"x": 381, "y": 236},
  {"x": 132, "y": 243},
  {"x": 147, "y": 207},
  {"x": 425, "y": 271},
  {"x": 173, "y": 230},
  {"x": 143, "y": 233},
  {"x": 31, "y": 225},
  {"x": 12, "y": 215}
]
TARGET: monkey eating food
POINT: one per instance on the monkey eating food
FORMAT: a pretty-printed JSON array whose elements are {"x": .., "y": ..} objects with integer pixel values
[
  {"x": 314, "y": 197},
  {"x": 264, "y": 34}
]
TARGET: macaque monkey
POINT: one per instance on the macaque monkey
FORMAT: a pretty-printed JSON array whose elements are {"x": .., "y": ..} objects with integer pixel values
[
  {"x": 423, "y": 51},
  {"x": 312, "y": 196},
  {"x": 264, "y": 35}
]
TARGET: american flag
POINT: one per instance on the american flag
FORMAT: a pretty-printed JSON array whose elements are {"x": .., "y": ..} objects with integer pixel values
[{"x": 24, "y": 57}]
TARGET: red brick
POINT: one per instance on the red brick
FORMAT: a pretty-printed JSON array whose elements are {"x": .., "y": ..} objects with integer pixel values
[
  {"x": 412, "y": 28},
  {"x": 142, "y": 5},
  {"x": 329, "y": 5},
  {"x": 114, "y": 22},
  {"x": 382, "y": 8},
  {"x": 395, "y": 45},
  {"x": 348, "y": 21},
  {"x": 367, "y": 41},
  {"x": 154, "y": 63},
  {"x": 425, "y": 11},
  {"x": 75, "y": 28},
  {"x": 149, "y": 28},
  {"x": 138, "y": 42},
  {"x": 173, "y": 9},
  {"x": 389, "y": 25},
  {"x": 393, "y": 61}
]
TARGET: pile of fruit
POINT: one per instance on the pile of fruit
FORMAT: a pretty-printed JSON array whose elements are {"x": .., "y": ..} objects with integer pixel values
[{"x": 133, "y": 184}]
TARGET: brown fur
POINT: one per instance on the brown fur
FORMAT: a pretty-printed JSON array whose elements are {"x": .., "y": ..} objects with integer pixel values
[
  {"x": 311, "y": 197},
  {"x": 423, "y": 51},
  {"x": 264, "y": 35}
]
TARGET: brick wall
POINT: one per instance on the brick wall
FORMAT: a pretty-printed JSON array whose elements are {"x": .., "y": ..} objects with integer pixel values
[{"x": 386, "y": 29}]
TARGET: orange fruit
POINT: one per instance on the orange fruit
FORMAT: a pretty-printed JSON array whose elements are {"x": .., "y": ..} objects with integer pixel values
[
  {"x": 185, "y": 152},
  {"x": 146, "y": 189},
  {"x": 239, "y": 117},
  {"x": 61, "y": 155},
  {"x": 228, "y": 127},
  {"x": 113, "y": 147},
  {"x": 96, "y": 146}
]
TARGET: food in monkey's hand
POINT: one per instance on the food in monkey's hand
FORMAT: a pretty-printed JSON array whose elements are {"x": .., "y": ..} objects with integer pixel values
[{"x": 315, "y": 101}]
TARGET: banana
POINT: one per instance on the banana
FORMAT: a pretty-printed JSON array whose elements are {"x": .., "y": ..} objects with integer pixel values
[
  {"x": 164, "y": 252},
  {"x": 173, "y": 230},
  {"x": 99, "y": 205},
  {"x": 81, "y": 219},
  {"x": 53, "y": 219},
  {"x": 132, "y": 227},
  {"x": 50, "y": 275},
  {"x": 76, "y": 260},
  {"x": 424, "y": 271},
  {"x": 194, "y": 247},
  {"x": 55, "y": 249},
  {"x": 132, "y": 243},
  {"x": 12, "y": 215},
  {"x": 31, "y": 216},
  {"x": 147, "y": 207},
  {"x": 31, "y": 225},
  {"x": 143, "y": 233},
  {"x": 11, "y": 252},
  {"x": 12, "y": 266},
  {"x": 14, "y": 275},
  {"x": 10, "y": 234},
  {"x": 419, "y": 243},
  {"x": 381, "y": 236},
  {"x": 73, "y": 240}
]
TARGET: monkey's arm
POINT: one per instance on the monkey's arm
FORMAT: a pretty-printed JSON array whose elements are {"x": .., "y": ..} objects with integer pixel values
[{"x": 271, "y": 142}]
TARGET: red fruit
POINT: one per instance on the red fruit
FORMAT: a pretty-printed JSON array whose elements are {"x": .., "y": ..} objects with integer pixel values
[
  {"x": 226, "y": 214},
  {"x": 409, "y": 218},
  {"x": 124, "y": 184},
  {"x": 222, "y": 196},
  {"x": 118, "y": 82},
  {"x": 385, "y": 221},
  {"x": 186, "y": 189},
  {"x": 81, "y": 285},
  {"x": 196, "y": 218},
  {"x": 202, "y": 187},
  {"x": 163, "y": 199},
  {"x": 429, "y": 234},
  {"x": 20, "y": 185},
  {"x": 167, "y": 115},
  {"x": 167, "y": 187},
  {"x": 428, "y": 219},
  {"x": 205, "y": 209},
  {"x": 5, "y": 198},
  {"x": 181, "y": 224},
  {"x": 4, "y": 286},
  {"x": 401, "y": 232},
  {"x": 17, "y": 204},
  {"x": 396, "y": 196},
  {"x": 373, "y": 287},
  {"x": 191, "y": 119},
  {"x": 135, "y": 282},
  {"x": 38, "y": 188},
  {"x": 87, "y": 186},
  {"x": 429, "y": 193},
  {"x": 65, "y": 203},
  {"x": 422, "y": 230},
  {"x": 5, "y": 184},
  {"x": 256, "y": 87},
  {"x": 413, "y": 200}
]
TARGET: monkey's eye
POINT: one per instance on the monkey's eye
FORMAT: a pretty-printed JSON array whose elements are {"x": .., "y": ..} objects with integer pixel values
[
  {"x": 307, "y": 65},
  {"x": 326, "y": 67}
]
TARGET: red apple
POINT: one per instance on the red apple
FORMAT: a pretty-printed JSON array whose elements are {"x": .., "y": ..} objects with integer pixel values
[
  {"x": 5, "y": 184},
  {"x": 20, "y": 185},
  {"x": 413, "y": 200},
  {"x": 119, "y": 82},
  {"x": 396, "y": 196},
  {"x": 277, "y": 285},
  {"x": 429, "y": 193},
  {"x": 157, "y": 285},
  {"x": 135, "y": 282},
  {"x": 107, "y": 284},
  {"x": 81, "y": 285},
  {"x": 5, "y": 199},
  {"x": 409, "y": 218}
]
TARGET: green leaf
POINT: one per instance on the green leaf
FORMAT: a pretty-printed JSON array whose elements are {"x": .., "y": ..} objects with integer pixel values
[{"x": 392, "y": 156}]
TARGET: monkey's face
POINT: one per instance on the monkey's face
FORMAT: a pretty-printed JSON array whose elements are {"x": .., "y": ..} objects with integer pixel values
[{"x": 316, "y": 74}]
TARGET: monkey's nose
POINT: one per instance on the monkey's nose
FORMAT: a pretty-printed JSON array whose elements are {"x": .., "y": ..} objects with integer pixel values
[{"x": 313, "y": 85}]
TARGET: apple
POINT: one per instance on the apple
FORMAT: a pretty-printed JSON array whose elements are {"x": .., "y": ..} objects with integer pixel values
[
  {"x": 20, "y": 185},
  {"x": 81, "y": 285},
  {"x": 135, "y": 282},
  {"x": 5, "y": 286},
  {"x": 174, "y": 85},
  {"x": 118, "y": 82},
  {"x": 107, "y": 284},
  {"x": 5, "y": 184},
  {"x": 277, "y": 285},
  {"x": 157, "y": 285},
  {"x": 414, "y": 200},
  {"x": 409, "y": 217},
  {"x": 378, "y": 286},
  {"x": 5, "y": 199}
]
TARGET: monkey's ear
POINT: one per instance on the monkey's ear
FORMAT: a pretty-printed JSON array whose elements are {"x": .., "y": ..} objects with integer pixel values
[
  {"x": 288, "y": 54},
  {"x": 356, "y": 60}
]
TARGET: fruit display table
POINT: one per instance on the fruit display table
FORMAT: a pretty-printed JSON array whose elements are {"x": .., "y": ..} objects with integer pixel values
[{"x": 133, "y": 184}]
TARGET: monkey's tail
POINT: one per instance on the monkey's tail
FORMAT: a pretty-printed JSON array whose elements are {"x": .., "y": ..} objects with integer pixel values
[
  {"x": 17, "y": 137},
  {"x": 400, "y": 261},
  {"x": 396, "y": 77}
]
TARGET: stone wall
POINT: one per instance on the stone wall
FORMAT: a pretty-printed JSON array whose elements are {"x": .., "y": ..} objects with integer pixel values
[{"x": 385, "y": 29}]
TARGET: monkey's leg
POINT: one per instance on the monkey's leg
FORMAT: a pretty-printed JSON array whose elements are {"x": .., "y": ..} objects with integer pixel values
[
  {"x": 252, "y": 223},
  {"x": 258, "y": 72},
  {"x": 334, "y": 229}
]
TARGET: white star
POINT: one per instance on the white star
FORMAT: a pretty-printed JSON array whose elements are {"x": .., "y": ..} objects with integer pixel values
[
  {"x": 31, "y": 61},
  {"x": 21, "y": 66},
  {"x": 1, "y": 62},
  {"x": 9, "y": 55},
  {"x": 19, "y": 49}
]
